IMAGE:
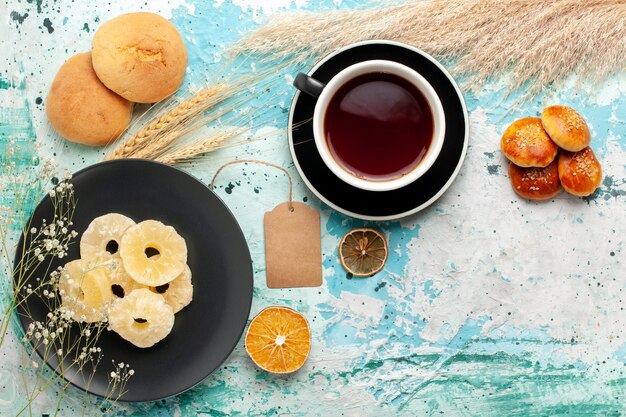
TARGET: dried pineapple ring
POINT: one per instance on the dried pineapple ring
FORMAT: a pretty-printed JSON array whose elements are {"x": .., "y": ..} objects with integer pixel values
[
  {"x": 177, "y": 293},
  {"x": 142, "y": 317},
  {"x": 103, "y": 235},
  {"x": 121, "y": 283},
  {"x": 85, "y": 289},
  {"x": 142, "y": 242}
]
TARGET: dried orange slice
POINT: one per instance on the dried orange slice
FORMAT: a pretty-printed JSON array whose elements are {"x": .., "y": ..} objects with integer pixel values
[
  {"x": 278, "y": 340},
  {"x": 363, "y": 252}
]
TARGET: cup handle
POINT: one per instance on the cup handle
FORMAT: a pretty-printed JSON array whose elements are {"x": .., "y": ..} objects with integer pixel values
[{"x": 308, "y": 85}]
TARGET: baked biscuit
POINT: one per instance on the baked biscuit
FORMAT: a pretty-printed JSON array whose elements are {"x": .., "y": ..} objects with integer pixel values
[
  {"x": 535, "y": 183},
  {"x": 566, "y": 127},
  {"x": 580, "y": 172},
  {"x": 140, "y": 56},
  {"x": 526, "y": 144},
  {"x": 82, "y": 109}
]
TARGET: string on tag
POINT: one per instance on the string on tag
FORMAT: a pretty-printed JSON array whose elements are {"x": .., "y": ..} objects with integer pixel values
[{"x": 256, "y": 161}]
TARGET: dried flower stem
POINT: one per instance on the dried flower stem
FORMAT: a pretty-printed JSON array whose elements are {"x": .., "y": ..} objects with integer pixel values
[
  {"x": 54, "y": 353},
  {"x": 543, "y": 41}
]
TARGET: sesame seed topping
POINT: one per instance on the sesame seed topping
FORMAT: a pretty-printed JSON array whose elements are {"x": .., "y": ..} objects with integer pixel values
[{"x": 571, "y": 119}]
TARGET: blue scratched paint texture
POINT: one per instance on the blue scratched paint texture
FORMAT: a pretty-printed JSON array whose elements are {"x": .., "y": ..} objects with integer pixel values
[{"x": 489, "y": 305}]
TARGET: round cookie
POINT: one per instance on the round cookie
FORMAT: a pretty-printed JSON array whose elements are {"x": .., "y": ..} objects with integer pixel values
[
  {"x": 140, "y": 56},
  {"x": 526, "y": 144},
  {"x": 580, "y": 172},
  {"x": 535, "y": 183},
  {"x": 81, "y": 108},
  {"x": 566, "y": 127}
]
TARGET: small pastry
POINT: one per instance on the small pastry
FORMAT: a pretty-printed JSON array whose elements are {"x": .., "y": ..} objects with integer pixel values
[
  {"x": 82, "y": 109},
  {"x": 535, "y": 183},
  {"x": 580, "y": 172},
  {"x": 526, "y": 144},
  {"x": 140, "y": 56},
  {"x": 566, "y": 127}
]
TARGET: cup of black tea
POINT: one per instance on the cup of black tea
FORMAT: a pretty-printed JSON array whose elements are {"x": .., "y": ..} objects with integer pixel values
[{"x": 378, "y": 125}]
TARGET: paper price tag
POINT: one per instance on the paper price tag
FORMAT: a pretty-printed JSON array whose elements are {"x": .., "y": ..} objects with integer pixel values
[
  {"x": 293, "y": 249},
  {"x": 293, "y": 240}
]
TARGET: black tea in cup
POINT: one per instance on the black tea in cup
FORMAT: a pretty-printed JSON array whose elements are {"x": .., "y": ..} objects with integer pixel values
[{"x": 378, "y": 126}]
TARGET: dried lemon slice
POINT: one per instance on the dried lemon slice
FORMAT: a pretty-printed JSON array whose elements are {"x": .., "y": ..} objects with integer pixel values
[
  {"x": 178, "y": 292},
  {"x": 141, "y": 317},
  {"x": 279, "y": 340},
  {"x": 363, "y": 252},
  {"x": 153, "y": 253},
  {"x": 85, "y": 289},
  {"x": 103, "y": 235}
]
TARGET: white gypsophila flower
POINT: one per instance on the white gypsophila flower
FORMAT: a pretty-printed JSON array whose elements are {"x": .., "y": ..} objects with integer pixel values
[
  {"x": 131, "y": 372},
  {"x": 33, "y": 230},
  {"x": 60, "y": 352},
  {"x": 35, "y": 364},
  {"x": 113, "y": 375}
]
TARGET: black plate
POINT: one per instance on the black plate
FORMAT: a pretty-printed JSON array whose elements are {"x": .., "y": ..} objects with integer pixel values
[
  {"x": 206, "y": 331},
  {"x": 387, "y": 205}
]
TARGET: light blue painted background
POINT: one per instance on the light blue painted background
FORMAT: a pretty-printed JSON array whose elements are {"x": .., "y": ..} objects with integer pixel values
[{"x": 489, "y": 304}]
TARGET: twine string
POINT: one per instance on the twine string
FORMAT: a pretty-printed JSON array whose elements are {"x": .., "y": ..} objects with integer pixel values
[{"x": 256, "y": 161}]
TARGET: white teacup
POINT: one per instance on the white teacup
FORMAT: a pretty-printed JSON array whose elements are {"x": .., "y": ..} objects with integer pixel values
[{"x": 324, "y": 94}]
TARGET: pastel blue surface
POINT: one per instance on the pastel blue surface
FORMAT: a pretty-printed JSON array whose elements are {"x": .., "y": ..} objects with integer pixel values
[{"x": 488, "y": 305}]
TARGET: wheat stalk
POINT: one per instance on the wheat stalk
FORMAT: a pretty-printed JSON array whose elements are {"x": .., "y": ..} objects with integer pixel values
[
  {"x": 199, "y": 103},
  {"x": 170, "y": 129},
  {"x": 197, "y": 148},
  {"x": 543, "y": 41}
]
